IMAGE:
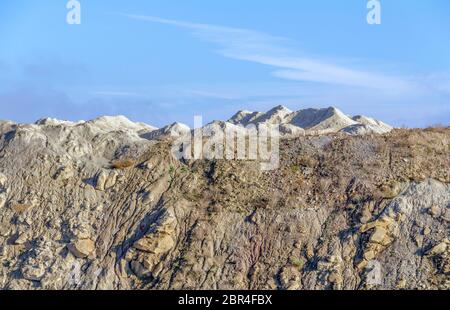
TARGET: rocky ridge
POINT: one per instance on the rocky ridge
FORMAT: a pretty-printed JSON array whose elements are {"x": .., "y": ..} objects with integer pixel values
[{"x": 312, "y": 121}]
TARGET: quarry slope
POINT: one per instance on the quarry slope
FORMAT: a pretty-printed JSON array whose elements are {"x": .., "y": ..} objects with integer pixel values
[{"x": 92, "y": 205}]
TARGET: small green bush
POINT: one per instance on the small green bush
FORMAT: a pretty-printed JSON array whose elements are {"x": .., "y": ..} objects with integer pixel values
[{"x": 297, "y": 262}]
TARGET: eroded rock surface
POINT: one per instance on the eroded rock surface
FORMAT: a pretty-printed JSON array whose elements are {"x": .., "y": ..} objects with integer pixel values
[{"x": 89, "y": 206}]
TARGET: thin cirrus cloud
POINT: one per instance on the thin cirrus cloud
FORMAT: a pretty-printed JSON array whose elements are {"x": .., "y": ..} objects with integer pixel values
[
  {"x": 108, "y": 93},
  {"x": 265, "y": 49}
]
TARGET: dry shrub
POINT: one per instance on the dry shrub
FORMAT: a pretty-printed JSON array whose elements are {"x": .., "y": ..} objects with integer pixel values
[
  {"x": 307, "y": 161},
  {"x": 381, "y": 148},
  {"x": 439, "y": 128},
  {"x": 405, "y": 141},
  {"x": 20, "y": 208},
  {"x": 123, "y": 163}
]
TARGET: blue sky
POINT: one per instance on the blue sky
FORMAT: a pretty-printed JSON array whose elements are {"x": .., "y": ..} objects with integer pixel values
[{"x": 161, "y": 61}]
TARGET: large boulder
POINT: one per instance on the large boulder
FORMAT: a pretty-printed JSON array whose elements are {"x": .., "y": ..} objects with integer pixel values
[
  {"x": 3, "y": 180},
  {"x": 82, "y": 248}
]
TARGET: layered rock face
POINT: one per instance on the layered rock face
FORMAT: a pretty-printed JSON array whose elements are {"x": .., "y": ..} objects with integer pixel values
[{"x": 103, "y": 205}]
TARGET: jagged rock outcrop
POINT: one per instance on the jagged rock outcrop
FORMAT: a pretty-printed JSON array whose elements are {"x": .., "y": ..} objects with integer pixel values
[
  {"x": 105, "y": 179},
  {"x": 171, "y": 131},
  {"x": 3, "y": 190},
  {"x": 312, "y": 121},
  {"x": 147, "y": 252},
  {"x": 82, "y": 248},
  {"x": 373, "y": 123}
]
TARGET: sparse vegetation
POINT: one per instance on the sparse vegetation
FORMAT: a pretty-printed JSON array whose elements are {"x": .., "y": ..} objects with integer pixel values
[
  {"x": 307, "y": 161},
  {"x": 20, "y": 208},
  {"x": 295, "y": 168},
  {"x": 439, "y": 128},
  {"x": 172, "y": 174},
  {"x": 123, "y": 163},
  {"x": 185, "y": 169},
  {"x": 297, "y": 262}
]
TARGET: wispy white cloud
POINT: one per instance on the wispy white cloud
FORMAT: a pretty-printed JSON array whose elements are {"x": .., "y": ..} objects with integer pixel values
[
  {"x": 231, "y": 39},
  {"x": 108, "y": 93},
  {"x": 290, "y": 64}
]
